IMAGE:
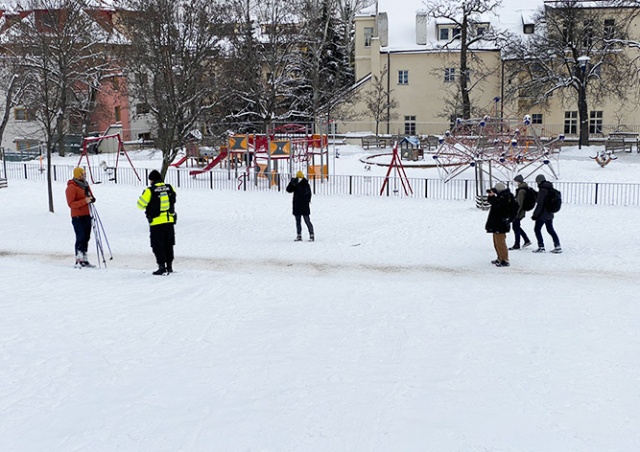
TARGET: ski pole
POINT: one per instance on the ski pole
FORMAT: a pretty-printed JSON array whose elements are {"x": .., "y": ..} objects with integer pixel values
[{"x": 102, "y": 232}]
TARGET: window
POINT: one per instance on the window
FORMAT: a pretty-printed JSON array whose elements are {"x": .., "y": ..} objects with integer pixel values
[
  {"x": 116, "y": 113},
  {"x": 528, "y": 29},
  {"x": 115, "y": 83},
  {"x": 142, "y": 109},
  {"x": 456, "y": 33},
  {"x": 409, "y": 125},
  {"x": 27, "y": 145},
  {"x": 571, "y": 122},
  {"x": 403, "y": 77},
  {"x": 449, "y": 74},
  {"x": 22, "y": 114},
  {"x": 536, "y": 118},
  {"x": 587, "y": 39},
  {"x": 481, "y": 29},
  {"x": 595, "y": 122},
  {"x": 609, "y": 29},
  {"x": 443, "y": 34},
  {"x": 368, "y": 34}
]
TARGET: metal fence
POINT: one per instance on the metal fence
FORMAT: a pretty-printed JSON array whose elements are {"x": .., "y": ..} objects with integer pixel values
[{"x": 618, "y": 194}]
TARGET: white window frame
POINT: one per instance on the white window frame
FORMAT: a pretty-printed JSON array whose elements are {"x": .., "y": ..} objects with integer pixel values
[
  {"x": 449, "y": 74},
  {"x": 403, "y": 77}
]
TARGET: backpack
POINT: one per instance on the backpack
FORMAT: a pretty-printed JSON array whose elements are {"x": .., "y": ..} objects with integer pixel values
[
  {"x": 512, "y": 207},
  {"x": 553, "y": 201},
  {"x": 530, "y": 198}
]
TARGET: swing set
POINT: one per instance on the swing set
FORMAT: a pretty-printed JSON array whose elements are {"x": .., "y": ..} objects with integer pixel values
[{"x": 100, "y": 144}]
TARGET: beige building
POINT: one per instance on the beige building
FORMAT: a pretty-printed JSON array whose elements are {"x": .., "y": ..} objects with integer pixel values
[{"x": 421, "y": 55}]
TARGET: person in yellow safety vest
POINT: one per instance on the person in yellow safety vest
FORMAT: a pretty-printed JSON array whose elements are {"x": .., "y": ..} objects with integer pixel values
[{"x": 158, "y": 201}]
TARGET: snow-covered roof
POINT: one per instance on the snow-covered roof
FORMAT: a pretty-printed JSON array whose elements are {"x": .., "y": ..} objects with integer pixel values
[{"x": 511, "y": 15}]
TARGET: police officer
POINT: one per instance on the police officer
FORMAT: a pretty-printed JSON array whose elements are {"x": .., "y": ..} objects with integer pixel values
[{"x": 158, "y": 201}]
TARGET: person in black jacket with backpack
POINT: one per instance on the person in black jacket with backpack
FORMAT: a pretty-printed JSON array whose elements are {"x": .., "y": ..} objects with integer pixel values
[
  {"x": 501, "y": 214},
  {"x": 543, "y": 217},
  {"x": 301, "y": 190},
  {"x": 521, "y": 196}
]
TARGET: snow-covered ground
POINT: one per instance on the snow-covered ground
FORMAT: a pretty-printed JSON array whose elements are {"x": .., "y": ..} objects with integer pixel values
[{"x": 392, "y": 332}]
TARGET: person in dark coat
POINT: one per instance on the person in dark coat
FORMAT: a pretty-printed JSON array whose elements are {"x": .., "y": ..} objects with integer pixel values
[
  {"x": 498, "y": 221},
  {"x": 158, "y": 201},
  {"x": 543, "y": 217},
  {"x": 521, "y": 193},
  {"x": 301, "y": 190}
]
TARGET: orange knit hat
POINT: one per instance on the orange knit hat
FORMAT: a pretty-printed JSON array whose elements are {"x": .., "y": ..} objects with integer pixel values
[{"x": 78, "y": 173}]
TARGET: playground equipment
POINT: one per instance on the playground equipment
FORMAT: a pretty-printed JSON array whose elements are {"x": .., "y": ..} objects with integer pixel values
[
  {"x": 285, "y": 149},
  {"x": 221, "y": 156},
  {"x": 108, "y": 145},
  {"x": 400, "y": 173},
  {"x": 497, "y": 149},
  {"x": 603, "y": 157}
]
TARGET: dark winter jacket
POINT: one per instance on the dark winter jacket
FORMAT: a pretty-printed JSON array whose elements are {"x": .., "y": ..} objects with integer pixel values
[
  {"x": 521, "y": 193},
  {"x": 301, "y": 196},
  {"x": 540, "y": 212},
  {"x": 498, "y": 219}
]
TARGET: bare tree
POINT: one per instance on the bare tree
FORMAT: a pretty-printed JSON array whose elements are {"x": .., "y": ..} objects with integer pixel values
[
  {"x": 469, "y": 33},
  {"x": 60, "y": 50},
  {"x": 379, "y": 100},
  {"x": 173, "y": 57},
  {"x": 575, "y": 55},
  {"x": 12, "y": 85}
]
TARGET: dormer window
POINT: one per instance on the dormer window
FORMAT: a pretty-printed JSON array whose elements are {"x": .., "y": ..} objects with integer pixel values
[
  {"x": 528, "y": 29},
  {"x": 448, "y": 32}
]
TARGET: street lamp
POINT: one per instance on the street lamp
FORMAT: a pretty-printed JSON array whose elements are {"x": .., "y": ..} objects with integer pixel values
[{"x": 583, "y": 61}]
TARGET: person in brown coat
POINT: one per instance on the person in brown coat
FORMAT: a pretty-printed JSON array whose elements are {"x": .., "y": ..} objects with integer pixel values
[{"x": 79, "y": 197}]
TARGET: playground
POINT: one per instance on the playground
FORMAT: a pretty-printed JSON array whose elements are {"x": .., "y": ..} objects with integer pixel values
[{"x": 284, "y": 149}]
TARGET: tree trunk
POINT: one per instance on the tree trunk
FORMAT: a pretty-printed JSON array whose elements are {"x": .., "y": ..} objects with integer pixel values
[{"x": 583, "y": 116}]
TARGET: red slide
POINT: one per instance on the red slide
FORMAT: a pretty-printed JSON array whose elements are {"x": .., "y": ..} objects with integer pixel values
[
  {"x": 210, "y": 166},
  {"x": 180, "y": 162}
]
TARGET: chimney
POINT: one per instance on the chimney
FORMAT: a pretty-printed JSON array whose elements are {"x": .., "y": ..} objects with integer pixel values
[
  {"x": 421, "y": 27},
  {"x": 383, "y": 29}
]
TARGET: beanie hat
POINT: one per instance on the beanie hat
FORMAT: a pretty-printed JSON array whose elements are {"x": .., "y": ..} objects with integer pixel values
[
  {"x": 78, "y": 173},
  {"x": 500, "y": 187},
  {"x": 300, "y": 175},
  {"x": 154, "y": 176},
  {"x": 519, "y": 178},
  {"x": 540, "y": 178}
]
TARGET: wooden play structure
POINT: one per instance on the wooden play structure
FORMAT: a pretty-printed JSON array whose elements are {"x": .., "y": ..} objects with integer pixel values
[{"x": 283, "y": 150}]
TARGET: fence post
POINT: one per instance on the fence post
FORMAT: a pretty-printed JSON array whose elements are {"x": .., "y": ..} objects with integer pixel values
[
  {"x": 350, "y": 185},
  {"x": 466, "y": 189},
  {"x": 596, "y": 200},
  {"x": 55, "y": 173},
  {"x": 24, "y": 165},
  {"x": 426, "y": 188}
]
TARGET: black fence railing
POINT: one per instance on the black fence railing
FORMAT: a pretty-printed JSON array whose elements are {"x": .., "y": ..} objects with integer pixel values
[{"x": 600, "y": 193}]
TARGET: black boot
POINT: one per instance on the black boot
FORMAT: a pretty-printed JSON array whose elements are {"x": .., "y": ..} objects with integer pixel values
[{"x": 160, "y": 272}]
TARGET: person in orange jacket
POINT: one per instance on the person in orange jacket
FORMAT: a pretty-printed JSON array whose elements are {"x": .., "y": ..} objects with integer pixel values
[{"x": 79, "y": 197}]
